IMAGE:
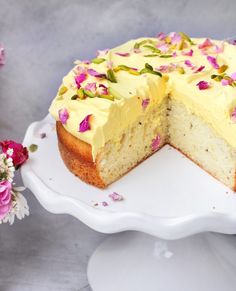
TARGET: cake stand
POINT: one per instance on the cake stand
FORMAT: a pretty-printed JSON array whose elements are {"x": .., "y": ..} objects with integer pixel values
[{"x": 166, "y": 198}]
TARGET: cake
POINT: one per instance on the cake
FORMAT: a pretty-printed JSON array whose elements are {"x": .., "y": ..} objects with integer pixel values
[{"x": 114, "y": 111}]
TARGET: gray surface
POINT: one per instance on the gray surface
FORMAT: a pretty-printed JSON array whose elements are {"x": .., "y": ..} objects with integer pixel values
[{"x": 42, "y": 38}]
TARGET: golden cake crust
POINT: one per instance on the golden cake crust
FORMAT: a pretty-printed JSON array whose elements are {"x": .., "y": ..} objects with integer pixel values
[{"x": 77, "y": 156}]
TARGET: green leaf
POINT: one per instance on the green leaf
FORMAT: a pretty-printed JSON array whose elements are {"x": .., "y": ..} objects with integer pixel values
[
  {"x": 33, "y": 148},
  {"x": 98, "y": 60},
  {"x": 111, "y": 76}
]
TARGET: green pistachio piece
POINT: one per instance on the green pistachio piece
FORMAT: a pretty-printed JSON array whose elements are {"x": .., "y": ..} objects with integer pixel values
[
  {"x": 62, "y": 90},
  {"x": 121, "y": 67},
  {"x": 151, "y": 56},
  {"x": 149, "y": 67},
  {"x": 111, "y": 76},
  {"x": 186, "y": 37},
  {"x": 133, "y": 72},
  {"x": 166, "y": 56},
  {"x": 137, "y": 45},
  {"x": 33, "y": 148},
  {"x": 89, "y": 93},
  {"x": 80, "y": 93},
  {"x": 222, "y": 69},
  {"x": 153, "y": 49},
  {"x": 74, "y": 97},
  {"x": 216, "y": 78},
  {"x": 98, "y": 60},
  {"x": 109, "y": 97},
  {"x": 181, "y": 70}
]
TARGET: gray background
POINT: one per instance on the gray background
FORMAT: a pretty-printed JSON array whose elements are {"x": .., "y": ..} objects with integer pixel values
[{"x": 42, "y": 38}]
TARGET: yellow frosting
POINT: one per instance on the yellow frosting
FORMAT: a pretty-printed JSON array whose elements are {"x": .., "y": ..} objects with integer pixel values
[{"x": 110, "y": 118}]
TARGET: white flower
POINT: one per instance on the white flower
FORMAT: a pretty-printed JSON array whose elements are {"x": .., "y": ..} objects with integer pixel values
[
  {"x": 7, "y": 168},
  {"x": 10, "y": 152},
  {"x": 19, "y": 209}
]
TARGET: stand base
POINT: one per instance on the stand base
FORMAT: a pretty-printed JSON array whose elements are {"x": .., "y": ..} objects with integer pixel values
[{"x": 133, "y": 261}]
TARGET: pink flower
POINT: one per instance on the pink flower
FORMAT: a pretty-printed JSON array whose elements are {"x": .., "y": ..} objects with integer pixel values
[
  {"x": 156, "y": 143},
  {"x": 19, "y": 155},
  {"x": 213, "y": 62},
  {"x": 80, "y": 79},
  {"x": 233, "y": 115},
  {"x": 203, "y": 85},
  {"x": 2, "y": 55},
  {"x": 63, "y": 115},
  {"x": 206, "y": 44},
  {"x": 94, "y": 73},
  {"x": 123, "y": 54},
  {"x": 84, "y": 124},
  {"x": 115, "y": 196},
  {"x": 91, "y": 87},
  {"x": 5, "y": 198},
  {"x": 145, "y": 103},
  {"x": 189, "y": 53}
]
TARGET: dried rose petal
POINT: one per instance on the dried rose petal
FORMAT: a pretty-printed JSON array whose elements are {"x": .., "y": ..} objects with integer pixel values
[
  {"x": 206, "y": 44},
  {"x": 94, "y": 73},
  {"x": 213, "y": 62},
  {"x": 63, "y": 115},
  {"x": 163, "y": 47},
  {"x": 104, "y": 203},
  {"x": 156, "y": 143},
  {"x": 188, "y": 63},
  {"x": 145, "y": 103},
  {"x": 226, "y": 82},
  {"x": 189, "y": 53},
  {"x": 123, "y": 54},
  {"x": 203, "y": 85},
  {"x": 84, "y": 124},
  {"x": 233, "y": 115},
  {"x": 91, "y": 87},
  {"x": 116, "y": 197},
  {"x": 175, "y": 38},
  {"x": 103, "y": 89},
  {"x": 80, "y": 79},
  {"x": 200, "y": 69},
  {"x": 102, "y": 53},
  {"x": 161, "y": 36},
  {"x": 233, "y": 76}
]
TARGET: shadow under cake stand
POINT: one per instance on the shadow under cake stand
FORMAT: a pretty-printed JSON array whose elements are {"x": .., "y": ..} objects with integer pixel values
[{"x": 166, "y": 198}]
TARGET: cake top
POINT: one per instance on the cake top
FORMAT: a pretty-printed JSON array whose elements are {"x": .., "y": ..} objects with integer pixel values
[{"x": 99, "y": 98}]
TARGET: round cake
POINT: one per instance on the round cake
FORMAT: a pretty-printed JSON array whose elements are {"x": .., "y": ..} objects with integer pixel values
[{"x": 119, "y": 108}]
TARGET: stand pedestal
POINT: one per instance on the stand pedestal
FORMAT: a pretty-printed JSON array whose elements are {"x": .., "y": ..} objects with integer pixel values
[{"x": 132, "y": 261}]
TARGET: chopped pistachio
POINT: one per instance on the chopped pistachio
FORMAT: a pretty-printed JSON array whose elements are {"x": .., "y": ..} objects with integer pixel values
[
  {"x": 181, "y": 70},
  {"x": 62, "y": 90},
  {"x": 133, "y": 72},
  {"x": 222, "y": 69},
  {"x": 74, "y": 97},
  {"x": 166, "y": 56},
  {"x": 151, "y": 56},
  {"x": 98, "y": 60},
  {"x": 148, "y": 66},
  {"x": 217, "y": 78},
  {"x": 89, "y": 93},
  {"x": 80, "y": 93},
  {"x": 109, "y": 97},
  {"x": 33, "y": 148},
  {"x": 138, "y": 44},
  {"x": 111, "y": 76},
  {"x": 153, "y": 49},
  {"x": 121, "y": 67},
  {"x": 186, "y": 37}
]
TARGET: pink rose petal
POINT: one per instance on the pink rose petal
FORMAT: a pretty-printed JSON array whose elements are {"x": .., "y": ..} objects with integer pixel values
[
  {"x": 116, "y": 197},
  {"x": 174, "y": 54},
  {"x": 188, "y": 63},
  {"x": 200, "y": 69},
  {"x": 219, "y": 49},
  {"x": 80, "y": 79},
  {"x": 102, "y": 53},
  {"x": 206, "y": 44},
  {"x": 213, "y": 62},
  {"x": 225, "y": 82},
  {"x": 233, "y": 115},
  {"x": 104, "y": 203},
  {"x": 156, "y": 143},
  {"x": 145, "y": 103},
  {"x": 161, "y": 36},
  {"x": 123, "y": 54},
  {"x": 175, "y": 38},
  {"x": 189, "y": 53},
  {"x": 233, "y": 76},
  {"x": 163, "y": 47},
  {"x": 91, "y": 87},
  {"x": 103, "y": 89},
  {"x": 63, "y": 115},
  {"x": 203, "y": 85},
  {"x": 84, "y": 124},
  {"x": 94, "y": 73}
]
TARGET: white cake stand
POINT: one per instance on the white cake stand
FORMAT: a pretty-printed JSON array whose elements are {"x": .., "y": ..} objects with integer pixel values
[{"x": 167, "y": 196}]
